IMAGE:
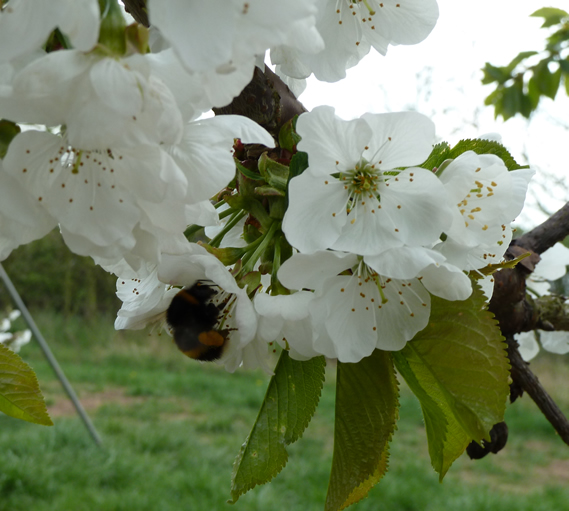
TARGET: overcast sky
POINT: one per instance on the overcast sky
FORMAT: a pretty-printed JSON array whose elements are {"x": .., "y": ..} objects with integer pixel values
[{"x": 441, "y": 78}]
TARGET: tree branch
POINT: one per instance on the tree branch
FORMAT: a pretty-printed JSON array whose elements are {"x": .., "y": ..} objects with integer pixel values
[
  {"x": 137, "y": 9},
  {"x": 512, "y": 309},
  {"x": 524, "y": 378},
  {"x": 266, "y": 100},
  {"x": 544, "y": 236},
  {"x": 517, "y": 312}
]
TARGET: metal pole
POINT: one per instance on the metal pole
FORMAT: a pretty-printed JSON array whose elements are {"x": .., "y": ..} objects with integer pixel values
[{"x": 49, "y": 355}]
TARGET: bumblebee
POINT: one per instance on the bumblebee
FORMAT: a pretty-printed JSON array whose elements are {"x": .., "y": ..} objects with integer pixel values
[{"x": 192, "y": 316}]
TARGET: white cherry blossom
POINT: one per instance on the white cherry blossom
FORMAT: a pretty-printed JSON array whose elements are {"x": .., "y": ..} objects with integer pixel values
[
  {"x": 146, "y": 300},
  {"x": 226, "y": 34},
  {"x": 123, "y": 101},
  {"x": 352, "y": 198},
  {"x": 350, "y": 27},
  {"x": 355, "y": 310},
  {"x": 486, "y": 198},
  {"x": 555, "y": 342},
  {"x": 285, "y": 319},
  {"x": 95, "y": 194}
]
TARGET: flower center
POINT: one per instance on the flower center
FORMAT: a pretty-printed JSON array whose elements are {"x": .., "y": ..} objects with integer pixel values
[{"x": 362, "y": 183}]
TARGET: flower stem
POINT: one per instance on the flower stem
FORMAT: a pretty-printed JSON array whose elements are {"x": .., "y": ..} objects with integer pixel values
[
  {"x": 237, "y": 215},
  {"x": 250, "y": 259}
]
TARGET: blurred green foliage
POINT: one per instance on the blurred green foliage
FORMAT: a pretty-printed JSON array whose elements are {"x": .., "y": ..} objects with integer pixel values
[
  {"x": 49, "y": 276},
  {"x": 531, "y": 74}
]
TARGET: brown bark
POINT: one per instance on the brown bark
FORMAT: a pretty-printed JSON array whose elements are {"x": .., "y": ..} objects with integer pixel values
[
  {"x": 137, "y": 9},
  {"x": 523, "y": 377}
]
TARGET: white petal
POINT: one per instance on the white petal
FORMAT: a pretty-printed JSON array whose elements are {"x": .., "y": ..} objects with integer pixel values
[
  {"x": 200, "y": 32},
  {"x": 350, "y": 326},
  {"x": 446, "y": 281},
  {"x": 332, "y": 144},
  {"x": 316, "y": 213},
  {"x": 304, "y": 271},
  {"x": 25, "y": 26},
  {"x": 553, "y": 263},
  {"x": 399, "y": 139},
  {"x": 22, "y": 218},
  {"x": 81, "y": 23},
  {"x": 403, "y": 262},
  {"x": 555, "y": 342},
  {"x": 528, "y": 346}
]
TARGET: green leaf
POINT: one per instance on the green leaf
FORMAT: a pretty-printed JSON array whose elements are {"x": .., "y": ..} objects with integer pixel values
[
  {"x": 512, "y": 100},
  {"x": 517, "y": 60},
  {"x": 8, "y": 130},
  {"x": 458, "y": 363},
  {"x": 289, "y": 404},
  {"x": 494, "y": 74},
  {"x": 20, "y": 395},
  {"x": 551, "y": 15},
  {"x": 447, "y": 440},
  {"x": 480, "y": 146},
  {"x": 437, "y": 156},
  {"x": 442, "y": 152},
  {"x": 544, "y": 80},
  {"x": 367, "y": 400},
  {"x": 564, "y": 65}
]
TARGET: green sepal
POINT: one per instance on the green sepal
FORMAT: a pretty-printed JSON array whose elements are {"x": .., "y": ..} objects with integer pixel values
[
  {"x": 288, "y": 137},
  {"x": 251, "y": 233},
  {"x": 291, "y": 399},
  {"x": 458, "y": 369},
  {"x": 112, "y": 29},
  {"x": 277, "y": 208},
  {"x": 227, "y": 255},
  {"x": 251, "y": 281},
  {"x": 8, "y": 130},
  {"x": 253, "y": 206},
  {"x": 367, "y": 402},
  {"x": 56, "y": 41},
  {"x": 298, "y": 164},
  {"x": 274, "y": 173},
  {"x": 269, "y": 191},
  {"x": 246, "y": 172},
  {"x": 137, "y": 38},
  {"x": 20, "y": 395}
]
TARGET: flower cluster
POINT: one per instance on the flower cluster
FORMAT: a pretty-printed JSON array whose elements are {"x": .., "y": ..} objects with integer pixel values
[
  {"x": 335, "y": 258},
  {"x": 377, "y": 236}
]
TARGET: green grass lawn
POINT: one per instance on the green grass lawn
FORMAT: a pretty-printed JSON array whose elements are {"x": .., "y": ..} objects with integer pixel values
[{"x": 172, "y": 427}]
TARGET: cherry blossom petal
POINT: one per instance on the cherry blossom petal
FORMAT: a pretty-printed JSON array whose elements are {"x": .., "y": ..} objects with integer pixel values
[
  {"x": 332, "y": 144},
  {"x": 316, "y": 213},
  {"x": 303, "y": 271}
]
